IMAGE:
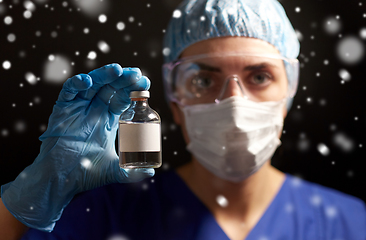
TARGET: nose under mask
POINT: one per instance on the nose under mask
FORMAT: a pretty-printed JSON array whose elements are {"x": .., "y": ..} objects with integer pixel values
[{"x": 235, "y": 137}]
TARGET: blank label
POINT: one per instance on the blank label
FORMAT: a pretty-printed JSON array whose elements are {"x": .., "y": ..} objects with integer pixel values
[{"x": 141, "y": 137}]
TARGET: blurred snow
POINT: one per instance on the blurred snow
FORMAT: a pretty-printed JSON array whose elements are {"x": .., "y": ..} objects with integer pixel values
[
  {"x": 222, "y": 201},
  {"x": 41, "y": 1},
  {"x": 345, "y": 143},
  {"x": 323, "y": 149},
  {"x": 57, "y": 69},
  {"x": 2, "y": 8},
  {"x": 289, "y": 207},
  {"x": 92, "y": 55},
  {"x": 29, "y": 5},
  {"x": 102, "y": 18},
  {"x": 350, "y": 50},
  {"x": 92, "y": 8},
  {"x": 331, "y": 211},
  {"x": 6, "y": 65},
  {"x": 4, "y": 132},
  {"x": 20, "y": 126},
  {"x": 166, "y": 51},
  {"x": 177, "y": 13},
  {"x": 8, "y": 20},
  {"x": 332, "y": 25},
  {"x": 31, "y": 78},
  {"x": 303, "y": 144},
  {"x": 11, "y": 37},
  {"x": 27, "y": 14},
  {"x": 86, "y": 163},
  {"x": 117, "y": 237},
  {"x": 299, "y": 35},
  {"x": 363, "y": 33},
  {"x": 315, "y": 200},
  {"x": 344, "y": 74},
  {"x": 121, "y": 26},
  {"x": 103, "y": 46}
]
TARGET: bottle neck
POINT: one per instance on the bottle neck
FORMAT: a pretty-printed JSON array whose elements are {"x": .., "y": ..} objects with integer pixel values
[{"x": 139, "y": 102}]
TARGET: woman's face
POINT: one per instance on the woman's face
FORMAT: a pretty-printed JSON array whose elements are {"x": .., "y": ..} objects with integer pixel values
[{"x": 237, "y": 66}]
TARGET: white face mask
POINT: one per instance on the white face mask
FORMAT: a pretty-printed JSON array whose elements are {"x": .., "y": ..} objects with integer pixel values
[{"x": 234, "y": 138}]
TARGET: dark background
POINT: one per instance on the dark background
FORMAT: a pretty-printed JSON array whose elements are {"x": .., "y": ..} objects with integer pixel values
[{"x": 325, "y": 110}]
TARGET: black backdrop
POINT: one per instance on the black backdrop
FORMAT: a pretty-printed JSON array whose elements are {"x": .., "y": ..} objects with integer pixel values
[{"x": 328, "y": 110}]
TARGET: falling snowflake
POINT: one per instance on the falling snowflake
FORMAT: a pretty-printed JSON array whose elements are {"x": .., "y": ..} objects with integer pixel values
[
  {"x": 20, "y": 126},
  {"x": 315, "y": 200},
  {"x": 92, "y": 55},
  {"x": 86, "y": 163},
  {"x": 6, "y": 65},
  {"x": 166, "y": 52},
  {"x": 177, "y": 14},
  {"x": 344, "y": 74},
  {"x": 222, "y": 201},
  {"x": 31, "y": 78},
  {"x": 350, "y": 50},
  {"x": 345, "y": 143},
  {"x": 8, "y": 20},
  {"x": 323, "y": 149},
  {"x": 102, "y": 18},
  {"x": 103, "y": 46},
  {"x": 332, "y": 25},
  {"x": 121, "y": 26},
  {"x": 55, "y": 68}
]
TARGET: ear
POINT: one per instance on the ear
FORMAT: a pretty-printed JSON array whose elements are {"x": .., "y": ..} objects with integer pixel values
[{"x": 177, "y": 113}]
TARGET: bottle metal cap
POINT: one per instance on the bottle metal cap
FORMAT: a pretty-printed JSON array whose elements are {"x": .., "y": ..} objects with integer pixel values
[{"x": 139, "y": 94}]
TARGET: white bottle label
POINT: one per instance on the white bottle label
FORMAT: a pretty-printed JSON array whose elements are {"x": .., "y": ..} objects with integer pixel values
[{"x": 139, "y": 137}]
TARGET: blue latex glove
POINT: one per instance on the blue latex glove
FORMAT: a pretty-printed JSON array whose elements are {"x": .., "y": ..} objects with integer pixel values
[{"x": 78, "y": 150}]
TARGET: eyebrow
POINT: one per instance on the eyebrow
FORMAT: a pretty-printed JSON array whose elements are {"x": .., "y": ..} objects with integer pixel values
[
  {"x": 258, "y": 66},
  {"x": 208, "y": 67},
  {"x": 253, "y": 67}
]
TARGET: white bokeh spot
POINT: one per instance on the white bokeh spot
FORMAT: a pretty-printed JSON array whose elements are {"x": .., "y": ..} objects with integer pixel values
[
  {"x": 177, "y": 13},
  {"x": 54, "y": 69},
  {"x": 86, "y": 163},
  {"x": 331, "y": 211},
  {"x": 121, "y": 26},
  {"x": 103, "y": 46},
  {"x": 92, "y": 55},
  {"x": 323, "y": 149},
  {"x": 315, "y": 200},
  {"x": 31, "y": 78},
  {"x": 102, "y": 18},
  {"x": 350, "y": 50},
  {"x": 332, "y": 25},
  {"x": 8, "y": 20},
  {"x": 222, "y": 201},
  {"x": 6, "y": 65},
  {"x": 166, "y": 52}
]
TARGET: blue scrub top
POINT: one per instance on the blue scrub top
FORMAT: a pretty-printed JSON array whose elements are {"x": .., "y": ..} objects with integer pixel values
[{"x": 163, "y": 207}]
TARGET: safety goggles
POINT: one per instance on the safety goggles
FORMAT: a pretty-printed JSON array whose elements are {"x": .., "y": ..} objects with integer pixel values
[{"x": 209, "y": 78}]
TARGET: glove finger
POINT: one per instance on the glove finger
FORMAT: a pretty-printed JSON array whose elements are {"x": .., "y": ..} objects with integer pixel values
[
  {"x": 101, "y": 77},
  {"x": 136, "y": 174},
  {"x": 129, "y": 77},
  {"x": 73, "y": 86},
  {"x": 121, "y": 99}
]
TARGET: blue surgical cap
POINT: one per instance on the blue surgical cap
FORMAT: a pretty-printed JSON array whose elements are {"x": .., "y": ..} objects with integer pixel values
[{"x": 197, "y": 20}]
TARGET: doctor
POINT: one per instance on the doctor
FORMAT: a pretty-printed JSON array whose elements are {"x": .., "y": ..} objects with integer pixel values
[{"x": 230, "y": 76}]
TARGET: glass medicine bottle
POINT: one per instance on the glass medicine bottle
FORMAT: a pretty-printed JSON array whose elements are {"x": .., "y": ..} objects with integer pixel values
[{"x": 139, "y": 134}]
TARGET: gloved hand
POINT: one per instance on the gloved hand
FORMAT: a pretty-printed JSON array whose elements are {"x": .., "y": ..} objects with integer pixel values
[{"x": 78, "y": 150}]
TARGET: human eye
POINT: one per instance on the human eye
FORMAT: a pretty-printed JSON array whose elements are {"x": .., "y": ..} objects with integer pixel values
[
  {"x": 201, "y": 81},
  {"x": 260, "y": 79}
]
